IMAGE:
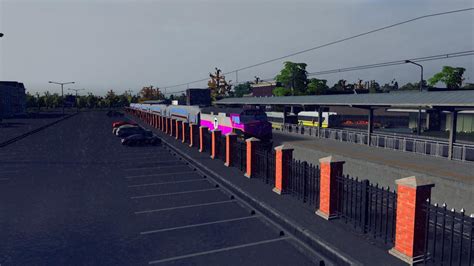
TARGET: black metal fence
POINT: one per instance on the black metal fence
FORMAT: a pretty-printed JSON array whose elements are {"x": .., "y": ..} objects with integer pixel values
[
  {"x": 303, "y": 181},
  {"x": 195, "y": 137},
  {"x": 221, "y": 148},
  {"x": 206, "y": 141},
  {"x": 265, "y": 165},
  {"x": 186, "y": 133},
  {"x": 239, "y": 155},
  {"x": 369, "y": 208},
  {"x": 448, "y": 236}
]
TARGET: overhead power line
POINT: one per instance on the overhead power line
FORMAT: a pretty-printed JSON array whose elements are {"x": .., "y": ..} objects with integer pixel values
[
  {"x": 332, "y": 43},
  {"x": 369, "y": 66}
]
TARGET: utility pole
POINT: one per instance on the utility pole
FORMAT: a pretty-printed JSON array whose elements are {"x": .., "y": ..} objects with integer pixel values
[
  {"x": 418, "y": 130},
  {"x": 62, "y": 89},
  {"x": 77, "y": 104}
]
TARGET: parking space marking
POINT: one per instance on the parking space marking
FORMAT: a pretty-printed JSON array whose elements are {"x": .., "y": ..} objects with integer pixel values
[
  {"x": 185, "y": 207},
  {"x": 144, "y": 160},
  {"x": 197, "y": 225},
  {"x": 218, "y": 250},
  {"x": 162, "y": 174},
  {"x": 153, "y": 167},
  {"x": 170, "y": 182},
  {"x": 4, "y": 179},
  {"x": 174, "y": 193}
]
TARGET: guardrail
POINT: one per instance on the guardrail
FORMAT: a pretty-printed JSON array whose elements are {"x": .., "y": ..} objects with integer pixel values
[{"x": 420, "y": 145}]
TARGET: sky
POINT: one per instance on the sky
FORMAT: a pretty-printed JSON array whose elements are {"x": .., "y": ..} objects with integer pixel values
[{"x": 121, "y": 45}]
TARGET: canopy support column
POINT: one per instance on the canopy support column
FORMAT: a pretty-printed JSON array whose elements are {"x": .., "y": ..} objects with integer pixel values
[
  {"x": 452, "y": 133},
  {"x": 370, "y": 126},
  {"x": 320, "y": 121}
]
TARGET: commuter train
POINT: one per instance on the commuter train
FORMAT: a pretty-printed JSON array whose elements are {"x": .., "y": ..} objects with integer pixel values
[
  {"x": 304, "y": 118},
  {"x": 245, "y": 122}
]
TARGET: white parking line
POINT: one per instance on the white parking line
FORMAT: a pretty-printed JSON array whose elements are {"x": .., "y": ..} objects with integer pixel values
[
  {"x": 171, "y": 182},
  {"x": 218, "y": 250},
  {"x": 174, "y": 193},
  {"x": 154, "y": 167},
  {"x": 148, "y": 160},
  {"x": 185, "y": 207},
  {"x": 162, "y": 174},
  {"x": 197, "y": 225}
]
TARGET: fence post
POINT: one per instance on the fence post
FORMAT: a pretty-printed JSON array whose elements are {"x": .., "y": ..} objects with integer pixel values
[
  {"x": 193, "y": 128},
  {"x": 202, "y": 131},
  {"x": 184, "y": 127},
  {"x": 365, "y": 204},
  {"x": 251, "y": 148},
  {"x": 177, "y": 128},
  {"x": 283, "y": 157},
  {"x": 410, "y": 227},
  {"x": 216, "y": 134},
  {"x": 330, "y": 170},
  {"x": 230, "y": 140}
]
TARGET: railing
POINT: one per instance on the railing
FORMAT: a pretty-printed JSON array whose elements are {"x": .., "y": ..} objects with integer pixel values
[
  {"x": 207, "y": 141},
  {"x": 239, "y": 155},
  {"x": 303, "y": 181},
  {"x": 448, "y": 237},
  {"x": 421, "y": 145},
  {"x": 369, "y": 208},
  {"x": 221, "y": 148},
  {"x": 186, "y": 134},
  {"x": 265, "y": 165}
]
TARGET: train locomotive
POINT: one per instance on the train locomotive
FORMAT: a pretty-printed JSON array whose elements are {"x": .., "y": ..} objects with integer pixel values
[{"x": 245, "y": 122}]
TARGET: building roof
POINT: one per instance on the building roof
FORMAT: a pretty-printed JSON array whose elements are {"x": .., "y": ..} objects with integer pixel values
[{"x": 426, "y": 99}]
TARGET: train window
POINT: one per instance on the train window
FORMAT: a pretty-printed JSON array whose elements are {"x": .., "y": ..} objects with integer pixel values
[{"x": 236, "y": 119}]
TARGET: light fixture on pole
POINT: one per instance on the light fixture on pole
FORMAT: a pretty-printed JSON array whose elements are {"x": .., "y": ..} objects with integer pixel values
[
  {"x": 418, "y": 129},
  {"x": 62, "y": 89},
  {"x": 76, "y": 90},
  {"x": 1, "y": 35}
]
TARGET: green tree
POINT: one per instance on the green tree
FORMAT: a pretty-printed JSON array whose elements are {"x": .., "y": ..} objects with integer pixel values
[
  {"x": 31, "y": 101},
  {"x": 293, "y": 77},
  {"x": 281, "y": 91},
  {"x": 242, "y": 89},
  {"x": 111, "y": 99},
  {"x": 317, "y": 86},
  {"x": 451, "y": 76}
]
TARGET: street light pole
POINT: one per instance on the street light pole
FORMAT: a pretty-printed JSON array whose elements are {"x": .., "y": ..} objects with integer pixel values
[
  {"x": 418, "y": 130},
  {"x": 77, "y": 105},
  {"x": 62, "y": 89}
]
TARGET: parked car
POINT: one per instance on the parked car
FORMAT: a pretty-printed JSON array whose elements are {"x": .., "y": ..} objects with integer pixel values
[
  {"x": 115, "y": 129},
  {"x": 114, "y": 113},
  {"x": 140, "y": 140},
  {"x": 125, "y": 131},
  {"x": 121, "y": 123}
]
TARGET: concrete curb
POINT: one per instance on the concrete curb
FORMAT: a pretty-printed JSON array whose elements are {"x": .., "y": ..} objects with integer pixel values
[{"x": 24, "y": 135}]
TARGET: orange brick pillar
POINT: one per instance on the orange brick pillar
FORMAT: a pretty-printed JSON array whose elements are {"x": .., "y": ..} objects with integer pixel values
[
  {"x": 230, "y": 140},
  {"x": 202, "y": 131},
  {"x": 330, "y": 170},
  {"x": 193, "y": 128},
  {"x": 411, "y": 219},
  {"x": 162, "y": 123},
  {"x": 216, "y": 134},
  {"x": 167, "y": 125},
  {"x": 156, "y": 121},
  {"x": 172, "y": 126},
  {"x": 252, "y": 144},
  {"x": 176, "y": 133},
  {"x": 283, "y": 157},
  {"x": 185, "y": 127}
]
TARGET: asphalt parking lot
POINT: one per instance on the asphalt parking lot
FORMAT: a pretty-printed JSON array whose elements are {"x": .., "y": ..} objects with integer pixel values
[{"x": 73, "y": 195}]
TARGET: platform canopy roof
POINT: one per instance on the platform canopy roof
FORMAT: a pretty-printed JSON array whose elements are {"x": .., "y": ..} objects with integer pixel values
[{"x": 459, "y": 99}]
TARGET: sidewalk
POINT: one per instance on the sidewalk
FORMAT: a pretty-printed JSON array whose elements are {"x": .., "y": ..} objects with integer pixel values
[{"x": 331, "y": 238}]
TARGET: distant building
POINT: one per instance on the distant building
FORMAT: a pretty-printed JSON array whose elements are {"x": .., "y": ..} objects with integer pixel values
[
  {"x": 263, "y": 88},
  {"x": 12, "y": 98},
  {"x": 201, "y": 97}
]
